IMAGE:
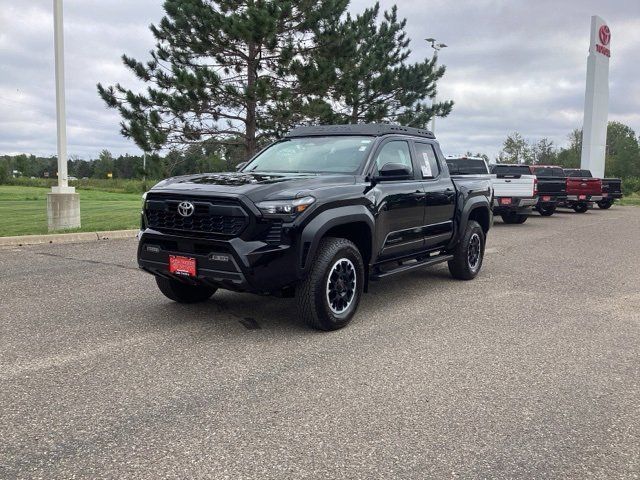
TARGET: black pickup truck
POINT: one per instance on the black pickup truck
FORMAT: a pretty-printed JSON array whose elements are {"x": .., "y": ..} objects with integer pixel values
[
  {"x": 611, "y": 191},
  {"x": 316, "y": 215},
  {"x": 552, "y": 188}
]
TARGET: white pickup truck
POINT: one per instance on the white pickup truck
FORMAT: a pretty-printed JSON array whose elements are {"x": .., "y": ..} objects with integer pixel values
[{"x": 514, "y": 187}]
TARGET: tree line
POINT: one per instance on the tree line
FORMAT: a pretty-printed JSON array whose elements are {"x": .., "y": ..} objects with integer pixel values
[
  {"x": 622, "y": 154},
  {"x": 197, "y": 158}
]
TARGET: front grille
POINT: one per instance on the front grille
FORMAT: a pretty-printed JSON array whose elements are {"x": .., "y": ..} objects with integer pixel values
[{"x": 215, "y": 216}]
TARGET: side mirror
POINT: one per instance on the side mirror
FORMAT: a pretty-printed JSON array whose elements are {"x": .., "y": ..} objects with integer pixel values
[
  {"x": 240, "y": 166},
  {"x": 394, "y": 171}
]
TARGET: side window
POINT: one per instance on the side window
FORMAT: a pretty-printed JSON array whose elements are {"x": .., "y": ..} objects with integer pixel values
[
  {"x": 427, "y": 160},
  {"x": 396, "y": 151}
]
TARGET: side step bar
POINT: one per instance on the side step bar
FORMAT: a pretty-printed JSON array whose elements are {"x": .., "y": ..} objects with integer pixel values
[{"x": 427, "y": 262}]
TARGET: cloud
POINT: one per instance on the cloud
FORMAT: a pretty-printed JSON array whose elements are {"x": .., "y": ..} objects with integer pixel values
[{"x": 512, "y": 65}]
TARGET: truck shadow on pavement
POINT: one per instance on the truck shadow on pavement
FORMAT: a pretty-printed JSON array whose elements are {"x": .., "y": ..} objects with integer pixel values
[{"x": 227, "y": 311}]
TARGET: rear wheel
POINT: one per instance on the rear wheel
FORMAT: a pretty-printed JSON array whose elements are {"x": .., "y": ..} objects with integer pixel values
[
  {"x": 329, "y": 296},
  {"x": 183, "y": 293},
  {"x": 581, "y": 207},
  {"x": 547, "y": 211},
  {"x": 514, "y": 218},
  {"x": 605, "y": 204},
  {"x": 468, "y": 254}
]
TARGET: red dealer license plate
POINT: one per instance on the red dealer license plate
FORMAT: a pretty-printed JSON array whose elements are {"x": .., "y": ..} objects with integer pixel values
[
  {"x": 505, "y": 201},
  {"x": 546, "y": 199},
  {"x": 182, "y": 265},
  {"x": 582, "y": 197}
]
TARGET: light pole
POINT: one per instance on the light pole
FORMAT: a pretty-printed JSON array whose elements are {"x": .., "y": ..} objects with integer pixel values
[
  {"x": 63, "y": 203},
  {"x": 436, "y": 48}
]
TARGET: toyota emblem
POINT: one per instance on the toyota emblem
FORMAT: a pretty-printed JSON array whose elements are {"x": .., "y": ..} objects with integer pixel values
[
  {"x": 186, "y": 209},
  {"x": 605, "y": 35}
]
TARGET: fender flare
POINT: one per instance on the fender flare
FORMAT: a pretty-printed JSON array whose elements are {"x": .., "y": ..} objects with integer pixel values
[
  {"x": 326, "y": 220},
  {"x": 472, "y": 203}
]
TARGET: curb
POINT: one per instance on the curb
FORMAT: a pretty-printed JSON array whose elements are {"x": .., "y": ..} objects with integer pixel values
[{"x": 65, "y": 238}]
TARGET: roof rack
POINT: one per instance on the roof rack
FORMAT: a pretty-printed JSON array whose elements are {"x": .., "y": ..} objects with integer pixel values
[{"x": 373, "y": 129}]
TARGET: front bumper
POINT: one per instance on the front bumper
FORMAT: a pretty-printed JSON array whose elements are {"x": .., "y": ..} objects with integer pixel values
[{"x": 235, "y": 264}]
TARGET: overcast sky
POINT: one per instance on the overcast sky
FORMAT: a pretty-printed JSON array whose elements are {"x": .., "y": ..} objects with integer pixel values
[{"x": 512, "y": 65}]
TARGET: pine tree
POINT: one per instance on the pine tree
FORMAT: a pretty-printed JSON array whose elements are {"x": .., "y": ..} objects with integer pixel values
[
  {"x": 372, "y": 80},
  {"x": 224, "y": 70}
]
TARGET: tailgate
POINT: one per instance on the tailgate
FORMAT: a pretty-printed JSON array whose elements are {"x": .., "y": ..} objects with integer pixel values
[
  {"x": 584, "y": 186},
  {"x": 513, "y": 187},
  {"x": 612, "y": 185},
  {"x": 552, "y": 186}
]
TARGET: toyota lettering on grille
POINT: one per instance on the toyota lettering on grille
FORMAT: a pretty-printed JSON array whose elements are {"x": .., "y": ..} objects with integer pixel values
[{"x": 186, "y": 209}]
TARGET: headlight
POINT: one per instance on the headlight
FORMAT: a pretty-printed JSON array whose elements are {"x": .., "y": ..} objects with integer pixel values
[{"x": 285, "y": 208}]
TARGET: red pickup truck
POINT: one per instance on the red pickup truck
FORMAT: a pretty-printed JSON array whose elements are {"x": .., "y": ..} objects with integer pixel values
[{"x": 582, "y": 189}]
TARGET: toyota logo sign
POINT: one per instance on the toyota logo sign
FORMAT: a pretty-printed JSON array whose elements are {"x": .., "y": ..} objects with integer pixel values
[
  {"x": 186, "y": 209},
  {"x": 605, "y": 35}
]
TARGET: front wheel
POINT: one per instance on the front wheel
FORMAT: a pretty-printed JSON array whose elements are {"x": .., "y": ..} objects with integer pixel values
[
  {"x": 183, "y": 293},
  {"x": 514, "y": 218},
  {"x": 329, "y": 296},
  {"x": 581, "y": 208},
  {"x": 605, "y": 204},
  {"x": 468, "y": 254}
]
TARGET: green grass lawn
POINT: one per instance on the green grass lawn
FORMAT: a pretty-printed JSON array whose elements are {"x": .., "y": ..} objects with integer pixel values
[
  {"x": 23, "y": 210},
  {"x": 633, "y": 199}
]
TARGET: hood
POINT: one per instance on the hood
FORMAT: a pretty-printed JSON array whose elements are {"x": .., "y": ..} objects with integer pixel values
[{"x": 256, "y": 186}]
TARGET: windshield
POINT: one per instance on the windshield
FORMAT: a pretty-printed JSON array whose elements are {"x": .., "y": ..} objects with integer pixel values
[
  {"x": 578, "y": 173},
  {"x": 510, "y": 170},
  {"x": 336, "y": 154},
  {"x": 466, "y": 166},
  {"x": 549, "y": 172}
]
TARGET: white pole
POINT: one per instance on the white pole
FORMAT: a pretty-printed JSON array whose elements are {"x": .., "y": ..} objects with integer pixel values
[
  {"x": 63, "y": 180},
  {"x": 63, "y": 204}
]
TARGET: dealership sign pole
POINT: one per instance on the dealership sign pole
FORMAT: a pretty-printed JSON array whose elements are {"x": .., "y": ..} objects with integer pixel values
[
  {"x": 596, "y": 102},
  {"x": 63, "y": 204}
]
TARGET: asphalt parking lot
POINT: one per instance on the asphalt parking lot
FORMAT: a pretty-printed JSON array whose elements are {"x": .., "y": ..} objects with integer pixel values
[{"x": 531, "y": 370}]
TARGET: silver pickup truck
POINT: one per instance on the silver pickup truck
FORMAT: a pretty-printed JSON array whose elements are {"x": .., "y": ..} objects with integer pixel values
[{"x": 514, "y": 187}]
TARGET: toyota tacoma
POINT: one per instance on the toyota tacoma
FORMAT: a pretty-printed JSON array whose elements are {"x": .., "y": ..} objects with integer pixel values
[{"x": 316, "y": 215}]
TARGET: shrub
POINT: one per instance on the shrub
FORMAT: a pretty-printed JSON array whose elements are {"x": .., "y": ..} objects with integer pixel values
[{"x": 630, "y": 185}]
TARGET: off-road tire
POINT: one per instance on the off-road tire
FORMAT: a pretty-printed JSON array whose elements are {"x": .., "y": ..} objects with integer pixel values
[
  {"x": 581, "y": 208},
  {"x": 183, "y": 293},
  {"x": 605, "y": 204},
  {"x": 516, "y": 218},
  {"x": 311, "y": 294},
  {"x": 460, "y": 267},
  {"x": 547, "y": 212}
]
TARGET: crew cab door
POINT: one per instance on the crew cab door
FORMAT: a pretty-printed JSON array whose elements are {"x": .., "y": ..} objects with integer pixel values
[
  {"x": 440, "y": 194},
  {"x": 399, "y": 203}
]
